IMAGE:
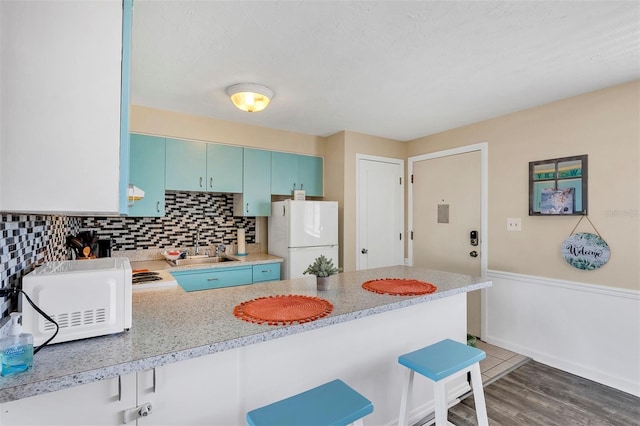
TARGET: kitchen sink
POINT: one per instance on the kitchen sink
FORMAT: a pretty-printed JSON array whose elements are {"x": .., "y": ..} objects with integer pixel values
[{"x": 198, "y": 260}]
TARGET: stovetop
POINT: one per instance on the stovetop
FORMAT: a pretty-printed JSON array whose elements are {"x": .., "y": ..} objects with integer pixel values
[{"x": 143, "y": 278}]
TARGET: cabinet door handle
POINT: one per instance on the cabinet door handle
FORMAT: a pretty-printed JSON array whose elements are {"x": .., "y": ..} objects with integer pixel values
[
  {"x": 294, "y": 186},
  {"x": 266, "y": 270},
  {"x": 119, "y": 388},
  {"x": 154, "y": 380},
  {"x": 302, "y": 186},
  {"x": 158, "y": 206},
  {"x": 210, "y": 182},
  {"x": 247, "y": 207},
  {"x": 212, "y": 279},
  {"x": 201, "y": 181}
]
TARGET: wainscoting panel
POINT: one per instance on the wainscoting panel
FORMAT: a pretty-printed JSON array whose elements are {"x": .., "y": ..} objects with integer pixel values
[{"x": 588, "y": 330}]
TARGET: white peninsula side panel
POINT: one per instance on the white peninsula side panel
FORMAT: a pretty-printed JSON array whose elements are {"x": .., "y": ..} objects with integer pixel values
[
  {"x": 363, "y": 353},
  {"x": 220, "y": 388}
]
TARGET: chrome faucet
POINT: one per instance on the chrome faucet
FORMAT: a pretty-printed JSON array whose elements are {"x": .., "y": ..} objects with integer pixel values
[{"x": 197, "y": 243}]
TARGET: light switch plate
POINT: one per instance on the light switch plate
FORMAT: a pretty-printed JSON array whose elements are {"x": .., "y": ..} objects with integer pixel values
[{"x": 514, "y": 224}]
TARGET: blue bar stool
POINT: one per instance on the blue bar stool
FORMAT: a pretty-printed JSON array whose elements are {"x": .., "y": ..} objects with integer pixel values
[
  {"x": 331, "y": 404},
  {"x": 441, "y": 362}
]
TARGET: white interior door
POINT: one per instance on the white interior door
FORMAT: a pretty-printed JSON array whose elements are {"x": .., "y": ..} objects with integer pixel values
[
  {"x": 446, "y": 207},
  {"x": 379, "y": 212}
]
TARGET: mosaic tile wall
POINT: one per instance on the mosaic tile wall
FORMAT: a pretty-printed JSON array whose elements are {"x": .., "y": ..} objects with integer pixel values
[
  {"x": 29, "y": 240},
  {"x": 185, "y": 214}
]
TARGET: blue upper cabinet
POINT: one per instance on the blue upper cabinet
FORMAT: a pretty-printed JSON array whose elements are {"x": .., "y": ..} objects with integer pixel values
[
  {"x": 284, "y": 173},
  {"x": 147, "y": 170},
  {"x": 293, "y": 171},
  {"x": 186, "y": 165},
  {"x": 310, "y": 173},
  {"x": 200, "y": 166},
  {"x": 224, "y": 168},
  {"x": 255, "y": 199}
]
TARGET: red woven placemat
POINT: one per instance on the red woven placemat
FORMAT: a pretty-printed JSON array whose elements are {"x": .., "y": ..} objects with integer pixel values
[
  {"x": 283, "y": 309},
  {"x": 399, "y": 287}
]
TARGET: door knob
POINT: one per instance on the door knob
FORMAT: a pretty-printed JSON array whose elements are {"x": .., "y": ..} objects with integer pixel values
[
  {"x": 365, "y": 251},
  {"x": 473, "y": 254}
]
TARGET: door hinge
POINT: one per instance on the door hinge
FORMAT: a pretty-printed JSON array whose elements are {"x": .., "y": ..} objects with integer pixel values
[{"x": 411, "y": 178}]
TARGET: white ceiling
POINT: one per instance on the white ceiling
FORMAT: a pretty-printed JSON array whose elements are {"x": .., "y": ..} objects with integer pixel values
[{"x": 396, "y": 69}]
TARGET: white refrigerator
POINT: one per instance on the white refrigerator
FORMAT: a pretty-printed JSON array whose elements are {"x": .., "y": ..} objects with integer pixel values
[{"x": 300, "y": 231}]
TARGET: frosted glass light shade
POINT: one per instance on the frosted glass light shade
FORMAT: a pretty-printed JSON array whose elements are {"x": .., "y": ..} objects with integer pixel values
[{"x": 250, "y": 97}]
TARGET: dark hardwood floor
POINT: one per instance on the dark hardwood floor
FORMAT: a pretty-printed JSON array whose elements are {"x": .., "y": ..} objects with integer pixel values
[{"x": 536, "y": 394}]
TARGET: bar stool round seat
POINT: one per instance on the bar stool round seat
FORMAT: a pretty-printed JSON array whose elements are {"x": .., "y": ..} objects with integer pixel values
[
  {"x": 440, "y": 363},
  {"x": 331, "y": 404}
]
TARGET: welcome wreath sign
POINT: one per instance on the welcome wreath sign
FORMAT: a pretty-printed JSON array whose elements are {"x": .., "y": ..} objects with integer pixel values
[{"x": 585, "y": 251}]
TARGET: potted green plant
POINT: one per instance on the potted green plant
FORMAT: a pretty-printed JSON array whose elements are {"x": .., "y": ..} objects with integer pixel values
[{"x": 322, "y": 268}]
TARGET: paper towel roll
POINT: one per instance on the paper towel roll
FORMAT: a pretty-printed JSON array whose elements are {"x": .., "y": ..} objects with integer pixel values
[{"x": 241, "y": 242}]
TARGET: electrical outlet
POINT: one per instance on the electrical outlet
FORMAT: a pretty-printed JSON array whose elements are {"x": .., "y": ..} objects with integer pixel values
[{"x": 514, "y": 224}]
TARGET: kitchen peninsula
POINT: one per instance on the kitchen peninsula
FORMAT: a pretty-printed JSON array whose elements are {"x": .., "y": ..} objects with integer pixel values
[{"x": 196, "y": 363}]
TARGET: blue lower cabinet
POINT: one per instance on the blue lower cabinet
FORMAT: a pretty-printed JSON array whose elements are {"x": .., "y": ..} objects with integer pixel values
[
  {"x": 266, "y": 272},
  {"x": 214, "y": 278}
]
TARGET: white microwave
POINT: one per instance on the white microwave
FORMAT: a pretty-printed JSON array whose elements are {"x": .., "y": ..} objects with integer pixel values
[{"x": 86, "y": 298}]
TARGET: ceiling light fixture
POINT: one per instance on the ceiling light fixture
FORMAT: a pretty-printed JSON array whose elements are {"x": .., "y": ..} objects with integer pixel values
[{"x": 250, "y": 97}]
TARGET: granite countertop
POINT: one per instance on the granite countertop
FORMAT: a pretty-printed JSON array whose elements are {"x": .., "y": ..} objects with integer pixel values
[{"x": 171, "y": 325}]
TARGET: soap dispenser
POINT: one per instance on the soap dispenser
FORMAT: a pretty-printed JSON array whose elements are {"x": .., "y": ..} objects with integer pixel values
[{"x": 16, "y": 350}]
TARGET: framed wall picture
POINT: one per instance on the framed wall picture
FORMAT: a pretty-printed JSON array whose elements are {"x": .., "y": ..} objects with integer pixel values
[{"x": 558, "y": 186}]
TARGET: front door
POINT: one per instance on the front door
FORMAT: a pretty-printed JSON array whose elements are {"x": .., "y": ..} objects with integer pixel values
[
  {"x": 446, "y": 217},
  {"x": 379, "y": 212}
]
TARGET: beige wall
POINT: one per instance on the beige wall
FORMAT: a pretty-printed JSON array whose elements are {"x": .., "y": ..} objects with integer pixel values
[
  {"x": 605, "y": 125},
  {"x": 334, "y": 154},
  {"x": 183, "y": 126}
]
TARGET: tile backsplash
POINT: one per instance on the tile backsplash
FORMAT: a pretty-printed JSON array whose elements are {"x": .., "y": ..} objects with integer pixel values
[
  {"x": 29, "y": 240},
  {"x": 185, "y": 213}
]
